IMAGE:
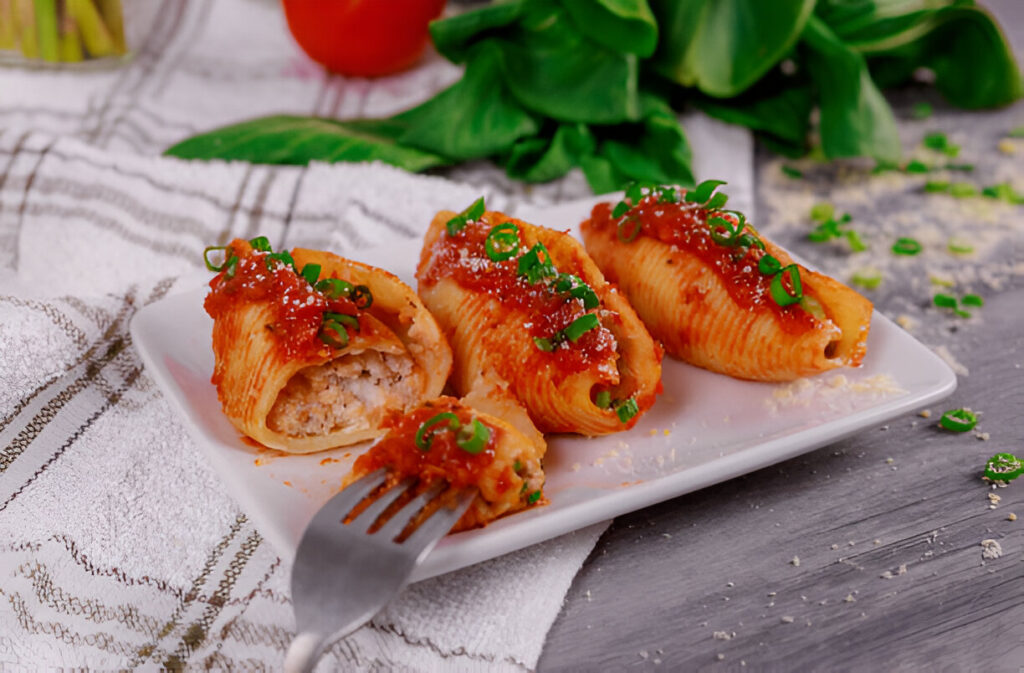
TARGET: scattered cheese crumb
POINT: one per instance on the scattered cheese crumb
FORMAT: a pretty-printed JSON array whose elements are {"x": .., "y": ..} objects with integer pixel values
[
  {"x": 1011, "y": 517},
  {"x": 643, "y": 654},
  {"x": 991, "y": 549},
  {"x": 906, "y": 322},
  {"x": 796, "y": 561},
  {"x": 722, "y": 635},
  {"x": 888, "y": 574},
  {"x": 993, "y": 500},
  {"x": 925, "y": 413},
  {"x": 720, "y": 656},
  {"x": 983, "y": 436},
  {"x": 850, "y": 599},
  {"x": 786, "y": 619},
  {"x": 834, "y": 547},
  {"x": 890, "y": 460}
]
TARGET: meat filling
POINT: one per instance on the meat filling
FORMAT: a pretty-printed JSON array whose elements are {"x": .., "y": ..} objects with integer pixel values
[{"x": 348, "y": 393}]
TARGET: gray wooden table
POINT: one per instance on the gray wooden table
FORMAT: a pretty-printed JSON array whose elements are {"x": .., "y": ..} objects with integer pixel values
[{"x": 887, "y": 526}]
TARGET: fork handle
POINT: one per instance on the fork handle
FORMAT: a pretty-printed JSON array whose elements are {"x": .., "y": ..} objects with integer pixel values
[{"x": 304, "y": 652}]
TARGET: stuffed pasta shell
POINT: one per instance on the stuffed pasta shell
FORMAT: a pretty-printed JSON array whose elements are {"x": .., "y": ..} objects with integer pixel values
[
  {"x": 444, "y": 439},
  {"x": 717, "y": 294},
  {"x": 314, "y": 351},
  {"x": 527, "y": 313}
]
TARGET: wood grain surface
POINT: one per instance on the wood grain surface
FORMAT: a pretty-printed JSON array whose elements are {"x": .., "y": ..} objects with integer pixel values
[{"x": 861, "y": 556}]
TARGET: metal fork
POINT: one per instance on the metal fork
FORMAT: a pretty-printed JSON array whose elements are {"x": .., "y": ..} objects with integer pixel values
[{"x": 344, "y": 574}]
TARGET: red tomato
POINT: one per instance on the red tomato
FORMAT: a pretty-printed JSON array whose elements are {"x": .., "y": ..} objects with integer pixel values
[{"x": 365, "y": 38}]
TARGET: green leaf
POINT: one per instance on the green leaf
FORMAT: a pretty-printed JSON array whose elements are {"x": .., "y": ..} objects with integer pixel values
[
  {"x": 475, "y": 117},
  {"x": 723, "y": 46},
  {"x": 539, "y": 159},
  {"x": 452, "y": 36},
  {"x": 856, "y": 120},
  {"x": 602, "y": 175},
  {"x": 620, "y": 25},
  {"x": 555, "y": 70},
  {"x": 286, "y": 139}
]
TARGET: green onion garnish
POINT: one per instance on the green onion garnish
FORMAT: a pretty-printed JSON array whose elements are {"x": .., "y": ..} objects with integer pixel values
[
  {"x": 1004, "y": 467},
  {"x": 472, "y": 438},
  {"x": 791, "y": 172},
  {"x": 334, "y": 287},
  {"x": 823, "y": 211},
  {"x": 210, "y": 265},
  {"x": 260, "y": 244},
  {"x": 921, "y": 110},
  {"x": 906, "y": 246},
  {"x": 725, "y": 232},
  {"x": 717, "y": 201},
  {"x": 581, "y": 326},
  {"x": 474, "y": 212},
  {"x": 283, "y": 257},
  {"x": 361, "y": 297},
  {"x": 425, "y": 434},
  {"x": 939, "y": 142},
  {"x": 959, "y": 420},
  {"x": 231, "y": 267},
  {"x": 916, "y": 166},
  {"x": 944, "y": 300},
  {"x": 628, "y": 229},
  {"x": 936, "y": 186},
  {"x": 533, "y": 497},
  {"x": 517, "y": 466},
  {"x": 966, "y": 168},
  {"x": 342, "y": 319},
  {"x": 502, "y": 242},
  {"x": 854, "y": 239},
  {"x": 869, "y": 278},
  {"x": 543, "y": 344},
  {"x": 962, "y": 190},
  {"x": 603, "y": 399},
  {"x": 972, "y": 300},
  {"x": 576, "y": 288},
  {"x": 621, "y": 208},
  {"x": 310, "y": 272},
  {"x": 782, "y": 294},
  {"x": 702, "y": 192},
  {"x": 340, "y": 338},
  {"x": 536, "y": 264},
  {"x": 769, "y": 265},
  {"x": 626, "y": 409},
  {"x": 960, "y": 246}
]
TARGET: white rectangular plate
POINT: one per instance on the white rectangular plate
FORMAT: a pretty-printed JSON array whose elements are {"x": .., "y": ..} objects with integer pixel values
[{"x": 705, "y": 428}]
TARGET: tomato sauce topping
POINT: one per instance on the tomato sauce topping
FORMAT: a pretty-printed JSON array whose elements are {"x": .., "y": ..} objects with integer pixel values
[
  {"x": 464, "y": 259},
  {"x": 684, "y": 226},
  {"x": 298, "y": 309},
  {"x": 398, "y": 452}
]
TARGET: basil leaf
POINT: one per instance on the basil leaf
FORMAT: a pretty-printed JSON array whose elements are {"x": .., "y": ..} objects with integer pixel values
[
  {"x": 621, "y": 25},
  {"x": 856, "y": 120},
  {"x": 285, "y": 139},
  {"x": 475, "y": 117},
  {"x": 723, "y": 46}
]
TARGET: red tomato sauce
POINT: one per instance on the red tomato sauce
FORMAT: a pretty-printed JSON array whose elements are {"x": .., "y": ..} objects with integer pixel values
[
  {"x": 398, "y": 452},
  {"x": 463, "y": 258},
  {"x": 298, "y": 309},
  {"x": 684, "y": 226}
]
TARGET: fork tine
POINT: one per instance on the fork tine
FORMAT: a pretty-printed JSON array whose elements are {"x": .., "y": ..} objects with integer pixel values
[
  {"x": 397, "y": 523},
  {"x": 338, "y": 507},
  {"x": 368, "y": 516},
  {"x": 439, "y": 523}
]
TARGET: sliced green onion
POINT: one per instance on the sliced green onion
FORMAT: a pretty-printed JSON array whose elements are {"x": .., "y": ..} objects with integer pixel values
[
  {"x": 284, "y": 257},
  {"x": 472, "y": 438},
  {"x": 769, "y": 265},
  {"x": 854, "y": 239},
  {"x": 1004, "y": 467},
  {"x": 206, "y": 258},
  {"x": 425, "y": 434},
  {"x": 533, "y": 498},
  {"x": 628, "y": 229},
  {"x": 935, "y": 140},
  {"x": 960, "y": 246},
  {"x": 966, "y": 168},
  {"x": 574, "y": 285},
  {"x": 702, "y": 192},
  {"x": 869, "y": 278},
  {"x": 342, "y": 319},
  {"x": 916, "y": 166},
  {"x": 791, "y": 172},
  {"x": 723, "y": 231},
  {"x": 603, "y": 399},
  {"x": 334, "y": 287},
  {"x": 822, "y": 211},
  {"x": 621, "y": 208},
  {"x": 936, "y": 186},
  {"x": 310, "y": 272},
  {"x": 960, "y": 313},
  {"x": 906, "y": 246},
  {"x": 959, "y": 420},
  {"x": 668, "y": 195},
  {"x": 941, "y": 281},
  {"x": 361, "y": 297},
  {"x": 825, "y": 231},
  {"x": 474, "y": 212},
  {"x": 517, "y": 466},
  {"x": 717, "y": 201},
  {"x": 782, "y": 295},
  {"x": 921, "y": 110},
  {"x": 231, "y": 267},
  {"x": 533, "y": 266},
  {"x": 543, "y": 344},
  {"x": 260, "y": 244},
  {"x": 635, "y": 192},
  {"x": 340, "y": 340},
  {"x": 626, "y": 409},
  {"x": 944, "y": 300},
  {"x": 581, "y": 326},
  {"x": 814, "y": 307},
  {"x": 972, "y": 300},
  {"x": 963, "y": 190},
  {"x": 502, "y": 242}
]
